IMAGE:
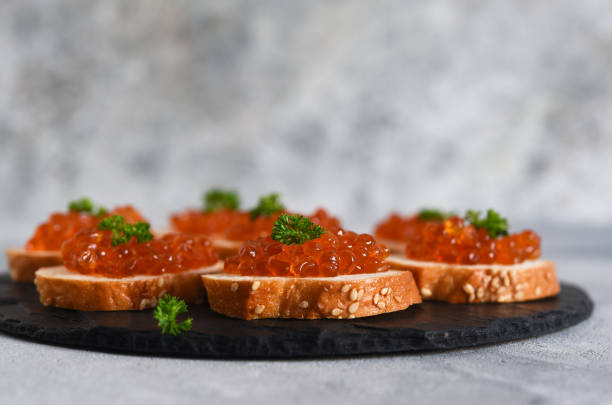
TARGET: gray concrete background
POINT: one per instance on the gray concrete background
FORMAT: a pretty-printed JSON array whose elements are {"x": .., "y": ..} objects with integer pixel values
[{"x": 360, "y": 106}]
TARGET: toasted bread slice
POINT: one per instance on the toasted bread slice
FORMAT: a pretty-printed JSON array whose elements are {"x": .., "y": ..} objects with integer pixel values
[
  {"x": 63, "y": 288},
  {"x": 350, "y": 296},
  {"x": 459, "y": 283},
  {"x": 24, "y": 263}
]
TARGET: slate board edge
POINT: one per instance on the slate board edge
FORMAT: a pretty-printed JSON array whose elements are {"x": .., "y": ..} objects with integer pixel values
[{"x": 123, "y": 340}]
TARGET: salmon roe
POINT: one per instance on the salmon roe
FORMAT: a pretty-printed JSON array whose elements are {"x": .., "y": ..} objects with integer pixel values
[
  {"x": 455, "y": 241},
  {"x": 91, "y": 252},
  {"x": 399, "y": 228},
  {"x": 335, "y": 253},
  {"x": 238, "y": 225},
  {"x": 62, "y": 226}
]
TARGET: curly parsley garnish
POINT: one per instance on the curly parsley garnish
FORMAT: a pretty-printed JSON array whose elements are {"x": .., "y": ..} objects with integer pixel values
[
  {"x": 124, "y": 231},
  {"x": 295, "y": 229},
  {"x": 494, "y": 223},
  {"x": 85, "y": 205},
  {"x": 165, "y": 312},
  {"x": 431, "y": 214},
  {"x": 217, "y": 199},
  {"x": 268, "y": 205}
]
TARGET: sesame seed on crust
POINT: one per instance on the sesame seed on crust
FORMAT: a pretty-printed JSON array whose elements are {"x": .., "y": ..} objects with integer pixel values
[{"x": 469, "y": 289}]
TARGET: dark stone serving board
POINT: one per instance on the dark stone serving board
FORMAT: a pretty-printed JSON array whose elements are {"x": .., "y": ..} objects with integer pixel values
[{"x": 427, "y": 326}]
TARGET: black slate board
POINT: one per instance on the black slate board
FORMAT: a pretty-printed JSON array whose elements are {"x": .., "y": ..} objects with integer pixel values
[{"x": 428, "y": 326}]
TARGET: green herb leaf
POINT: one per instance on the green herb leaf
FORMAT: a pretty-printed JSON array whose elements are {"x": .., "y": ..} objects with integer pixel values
[
  {"x": 142, "y": 231},
  {"x": 217, "y": 199},
  {"x": 82, "y": 205},
  {"x": 165, "y": 312},
  {"x": 123, "y": 231},
  {"x": 295, "y": 229},
  {"x": 268, "y": 205},
  {"x": 432, "y": 214},
  {"x": 85, "y": 205},
  {"x": 494, "y": 223}
]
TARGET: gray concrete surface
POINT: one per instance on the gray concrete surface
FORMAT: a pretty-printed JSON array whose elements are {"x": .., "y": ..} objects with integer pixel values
[
  {"x": 358, "y": 105},
  {"x": 569, "y": 367}
]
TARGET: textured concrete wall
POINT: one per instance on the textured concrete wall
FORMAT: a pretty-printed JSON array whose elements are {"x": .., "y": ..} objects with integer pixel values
[{"x": 361, "y": 106}]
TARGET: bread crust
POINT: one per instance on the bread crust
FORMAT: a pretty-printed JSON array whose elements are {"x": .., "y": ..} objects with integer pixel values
[
  {"x": 457, "y": 283},
  {"x": 63, "y": 288},
  {"x": 341, "y": 297},
  {"x": 24, "y": 263}
]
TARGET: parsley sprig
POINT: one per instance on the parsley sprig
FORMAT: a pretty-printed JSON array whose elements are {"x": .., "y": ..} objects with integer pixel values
[
  {"x": 295, "y": 229},
  {"x": 124, "y": 231},
  {"x": 86, "y": 205},
  {"x": 165, "y": 312},
  {"x": 494, "y": 223},
  {"x": 432, "y": 214},
  {"x": 217, "y": 199},
  {"x": 268, "y": 205}
]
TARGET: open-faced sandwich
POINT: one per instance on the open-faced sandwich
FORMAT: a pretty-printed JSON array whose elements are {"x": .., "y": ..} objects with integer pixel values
[
  {"x": 43, "y": 248},
  {"x": 472, "y": 259},
  {"x": 116, "y": 266},
  {"x": 222, "y": 220},
  {"x": 304, "y": 271}
]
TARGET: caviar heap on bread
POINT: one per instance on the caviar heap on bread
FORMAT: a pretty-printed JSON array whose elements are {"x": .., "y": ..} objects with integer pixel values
[
  {"x": 471, "y": 259},
  {"x": 229, "y": 227},
  {"x": 302, "y": 270},
  {"x": 121, "y": 266},
  {"x": 395, "y": 230},
  {"x": 43, "y": 248}
]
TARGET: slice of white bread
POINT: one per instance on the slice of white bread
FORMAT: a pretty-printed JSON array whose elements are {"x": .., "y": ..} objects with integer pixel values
[
  {"x": 24, "y": 263},
  {"x": 63, "y": 288},
  {"x": 459, "y": 283},
  {"x": 350, "y": 296}
]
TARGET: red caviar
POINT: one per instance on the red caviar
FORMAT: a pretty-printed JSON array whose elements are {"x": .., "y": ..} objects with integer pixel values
[
  {"x": 455, "y": 241},
  {"x": 91, "y": 252},
  {"x": 336, "y": 252},
  {"x": 238, "y": 225},
  {"x": 399, "y": 228},
  {"x": 62, "y": 226}
]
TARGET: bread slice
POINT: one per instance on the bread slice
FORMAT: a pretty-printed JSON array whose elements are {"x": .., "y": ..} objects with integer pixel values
[
  {"x": 225, "y": 247},
  {"x": 459, "y": 283},
  {"x": 24, "y": 263},
  {"x": 350, "y": 296},
  {"x": 394, "y": 246},
  {"x": 63, "y": 288}
]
